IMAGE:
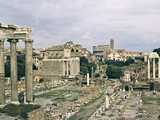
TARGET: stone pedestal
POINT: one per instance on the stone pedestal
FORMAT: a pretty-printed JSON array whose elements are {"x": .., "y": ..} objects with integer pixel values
[
  {"x": 28, "y": 70},
  {"x": 2, "y": 74},
  {"x": 14, "y": 96},
  {"x": 107, "y": 104}
]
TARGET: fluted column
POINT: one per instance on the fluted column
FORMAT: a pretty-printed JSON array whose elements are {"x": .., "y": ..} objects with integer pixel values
[
  {"x": 28, "y": 70},
  {"x": 14, "y": 96},
  {"x": 158, "y": 67},
  {"x": 149, "y": 74},
  {"x": 154, "y": 69},
  {"x": 2, "y": 73}
]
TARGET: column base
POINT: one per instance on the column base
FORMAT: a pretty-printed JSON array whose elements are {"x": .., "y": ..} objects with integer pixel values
[
  {"x": 30, "y": 103},
  {"x": 15, "y": 102},
  {"x": 2, "y": 106}
]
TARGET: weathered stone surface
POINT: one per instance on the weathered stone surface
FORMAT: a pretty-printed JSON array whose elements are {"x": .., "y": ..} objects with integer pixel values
[
  {"x": 14, "y": 96},
  {"x": 12, "y": 34},
  {"x": 60, "y": 67},
  {"x": 29, "y": 71},
  {"x": 2, "y": 92}
]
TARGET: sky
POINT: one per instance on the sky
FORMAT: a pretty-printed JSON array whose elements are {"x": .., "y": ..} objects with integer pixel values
[{"x": 133, "y": 24}]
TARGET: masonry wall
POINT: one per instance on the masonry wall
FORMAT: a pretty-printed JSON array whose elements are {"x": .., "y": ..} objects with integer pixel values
[{"x": 53, "y": 68}]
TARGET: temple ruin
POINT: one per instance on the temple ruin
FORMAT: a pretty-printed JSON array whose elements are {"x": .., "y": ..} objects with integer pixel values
[{"x": 14, "y": 34}]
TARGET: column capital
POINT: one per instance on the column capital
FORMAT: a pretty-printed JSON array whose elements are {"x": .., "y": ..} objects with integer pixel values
[
  {"x": 13, "y": 40},
  {"x": 29, "y": 40},
  {"x": 1, "y": 40}
]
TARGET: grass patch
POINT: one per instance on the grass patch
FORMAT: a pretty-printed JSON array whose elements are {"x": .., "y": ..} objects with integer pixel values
[
  {"x": 63, "y": 95},
  {"x": 18, "y": 110},
  {"x": 87, "y": 110},
  {"x": 151, "y": 100}
]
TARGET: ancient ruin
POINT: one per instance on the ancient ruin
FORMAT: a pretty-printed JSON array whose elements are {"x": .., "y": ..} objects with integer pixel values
[
  {"x": 152, "y": 57},
  {"x": 14, "y": 34}
]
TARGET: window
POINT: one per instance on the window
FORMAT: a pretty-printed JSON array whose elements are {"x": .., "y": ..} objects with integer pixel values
[{"x": 72, "y": 50}]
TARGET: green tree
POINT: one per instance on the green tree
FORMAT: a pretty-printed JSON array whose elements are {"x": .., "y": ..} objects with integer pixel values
[
  {"x": 114, "y": 71},
  {"x": 129, "y": 61},
  {"x": 157, "y": 50},
  {"x": 86, "y": 67},
  {"x": 20, "y": 66}
]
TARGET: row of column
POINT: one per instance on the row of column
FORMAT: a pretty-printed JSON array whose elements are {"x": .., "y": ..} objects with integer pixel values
[
  {"x": 154, "y": 68},
  {"x": 28, "y": 71},
  {"x": 71, "y": 67}
]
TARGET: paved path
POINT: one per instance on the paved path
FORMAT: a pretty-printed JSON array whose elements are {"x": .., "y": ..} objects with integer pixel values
[
  {"x": 49, "y": 90},
  {"x": 120, "y": 108}
]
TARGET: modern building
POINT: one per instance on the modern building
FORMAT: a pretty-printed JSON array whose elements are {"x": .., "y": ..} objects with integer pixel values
[{"x": 112, "y": 44}]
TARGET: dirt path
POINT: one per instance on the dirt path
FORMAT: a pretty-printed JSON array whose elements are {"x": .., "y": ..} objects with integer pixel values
[{"x": 87, "y": 110}]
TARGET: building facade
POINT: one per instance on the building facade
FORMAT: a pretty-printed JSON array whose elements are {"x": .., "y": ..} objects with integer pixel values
[{"x": 67, "y": 67}]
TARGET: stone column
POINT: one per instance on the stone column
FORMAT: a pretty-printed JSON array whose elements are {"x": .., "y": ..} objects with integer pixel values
[
  {"x": 67, "y": 67},
  {"x": 78, "y": 66},
  {"x": 28, "y": 70},
  {"x": 14, "y": 95},
  {"x": 87, "y": 79},
  {"x": 159, "y": 68},
  {"x": 2, "y": 73},
  {"x": 64, "y": 68},
  {"x": 154, "y": 68},
  {"x": 71, "y": 67},
  {"x": 75, "y": 67},
  {"x": 149, "y": 74}
]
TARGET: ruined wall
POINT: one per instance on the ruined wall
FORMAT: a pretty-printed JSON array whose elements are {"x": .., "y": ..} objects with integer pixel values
[
  {"x": 38, "y": 114},
  {"x": 52, "y": 67}
]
